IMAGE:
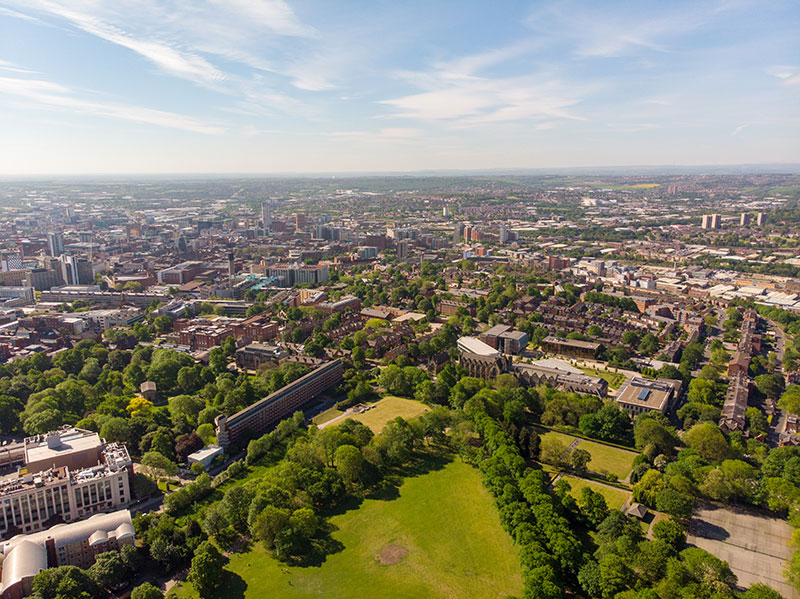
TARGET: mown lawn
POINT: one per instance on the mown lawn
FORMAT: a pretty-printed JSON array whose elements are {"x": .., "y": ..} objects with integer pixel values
[
  {"x": 608, "y": 459},
  {"x": 384, "y": 410},
  {"x": 615, "y": 498},
  {"x": 441, "y": 538},
  {"x": 604, "y": 457},
  {"x": 327, "y": 415},
  {"x": 388, "y": 409}
]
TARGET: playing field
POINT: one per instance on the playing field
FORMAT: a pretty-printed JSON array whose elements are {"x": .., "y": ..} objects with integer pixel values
[
  {"x": 615, "y": 498},
  {"x": 441, "y": 538}
]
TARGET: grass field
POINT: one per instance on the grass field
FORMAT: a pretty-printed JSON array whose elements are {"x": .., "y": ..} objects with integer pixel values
[
  {"x": 604, "y": 457},
  {"x": 609, "y": 459},
  {"x": 325, "y": 416},
  {"x": 615, "y": 498},
  {"x": 431, "y": 542},
  {"x": 614, "y": 379},
  {"x": 565, "y": 439},
  {"x": 384, "y": 410},
  {"x": 388, "y": 409}
]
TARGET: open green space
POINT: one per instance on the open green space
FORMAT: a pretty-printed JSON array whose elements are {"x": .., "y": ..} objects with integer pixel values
[
  {"x": 325, "y": 416},
  {"x": 605, "y": 458},
  {"x": 615, "y": 498},
  {"x": 383, "y": 410},
  {"x": 440, "y": 538},
  {"x": 608, "y": 459},
  {"x": 614, "y": 379},
  {"x": 567, "y": 440},
  {"x": 388, "y": 409}
]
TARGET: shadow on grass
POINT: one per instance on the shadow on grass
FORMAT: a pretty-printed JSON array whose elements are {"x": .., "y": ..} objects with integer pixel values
[{"x": 233, "y": 587}]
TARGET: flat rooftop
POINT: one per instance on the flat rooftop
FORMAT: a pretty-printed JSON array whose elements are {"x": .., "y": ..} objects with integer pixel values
[
  {"x": 73, "y": 440},
  {"x": 648, "y": 393}
]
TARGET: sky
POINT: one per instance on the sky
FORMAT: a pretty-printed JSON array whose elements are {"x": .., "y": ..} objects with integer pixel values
[{"x": 302, "y": 86}]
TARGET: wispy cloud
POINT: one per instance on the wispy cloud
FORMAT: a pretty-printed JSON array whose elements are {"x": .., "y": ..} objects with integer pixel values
[
  {"x": 789, "y": 75},
  {"x": 14, "y": 68},
  {"x": 174, "y": 61},
  {"x": 479, "y": 100},
  {"x": 52, "y": 95}
]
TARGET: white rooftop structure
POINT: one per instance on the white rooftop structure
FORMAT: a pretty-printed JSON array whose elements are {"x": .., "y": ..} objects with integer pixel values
[{"x": 476, "y": 346}]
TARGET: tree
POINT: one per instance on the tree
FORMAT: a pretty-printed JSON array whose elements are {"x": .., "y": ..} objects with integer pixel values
[
  {"x": 64, "y": 582},
  {"x": 553, "y": 451},
  {"x": 761, "y": 591},
  {"x": 790, "y": 400},
  {"x": 579, "y": 459},
  {"x": 349, "y": 464},
  {"x": 270, "y": 523},
  {"x": 609, "y": 423},
  {"x": 236, "y": 506},
  {"x": 217, "y": 360},
  {"x": 157, "y": 465},
  {"x": 770, "y": 385},
  {"x": 109, "y": 569},
  {"x": 670, "y": 533},
  {"x": 707, "y": 440},
  {"x": 147, "y": 591},
  {"x": 91, "y": 370},
  {"x": 163, "y": 323},
  {"x": 207, "y": 572},
  {"x": 116, "y": 430},
  {"x": 187, "y": 444},
  {"x": 593, "y": 506},
  {"x": 674, "y": 503}
]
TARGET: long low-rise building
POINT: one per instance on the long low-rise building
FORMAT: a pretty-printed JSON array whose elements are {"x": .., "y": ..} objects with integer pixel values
[
  {"x": 258, "y": 418},
  {"x": 76, "y": 544},
  {"x": 571, "y": 347},
  {"x": 110, "y": 298}
]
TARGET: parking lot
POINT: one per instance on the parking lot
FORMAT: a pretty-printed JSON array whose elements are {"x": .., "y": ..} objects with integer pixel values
[{"x": 755, "y": 546}]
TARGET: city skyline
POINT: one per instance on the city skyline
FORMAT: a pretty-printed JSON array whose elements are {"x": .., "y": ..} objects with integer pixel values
[{"x": 276, "y": 87}]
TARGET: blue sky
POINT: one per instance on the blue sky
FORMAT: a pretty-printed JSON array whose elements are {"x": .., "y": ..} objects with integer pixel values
[{"x": 272, "y": 86}]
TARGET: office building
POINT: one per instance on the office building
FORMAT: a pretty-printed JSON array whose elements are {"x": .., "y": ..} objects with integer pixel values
[
  {"x": 63, "y": 476},
  {"x": 55, "y": 244},
  {"x": 75, "y": 270}
]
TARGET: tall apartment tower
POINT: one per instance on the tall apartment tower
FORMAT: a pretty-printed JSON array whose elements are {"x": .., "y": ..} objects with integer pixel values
[
  {"x": 266, "y": 214},
  {"x": 55, "y": 244},
  {"x": 402, "y": 249},
  {"x": 760, "y": 219},
  {"x": 457, "y": 232},
  {"x": 716, "y": 221},
  {"x": 503, "y": 234},
  {"x": 744, "y": 219}
]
